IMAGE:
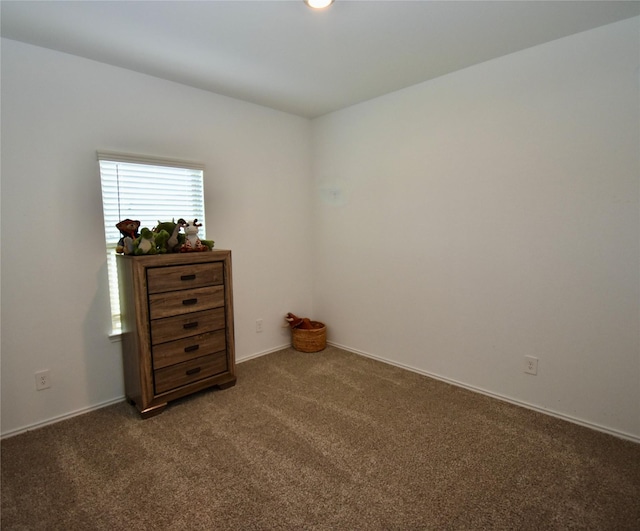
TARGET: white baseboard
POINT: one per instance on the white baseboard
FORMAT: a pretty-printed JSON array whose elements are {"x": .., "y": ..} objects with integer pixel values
[
  {"x": 263, "y": 353},
  {"x": 568, "y": 418},
  {"x": 552, "y": 413},
  {"x": 59, "y": 418}
]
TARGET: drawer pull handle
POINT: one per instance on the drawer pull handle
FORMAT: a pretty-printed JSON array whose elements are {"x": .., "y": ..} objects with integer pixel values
[
  {"x": 188, "y": 302},
  {"x": 191, "y": 372},
  {"x": 191, "y": 348},
  {"x": 188, "y": 277},
  {"x": 190, "y": 325}
]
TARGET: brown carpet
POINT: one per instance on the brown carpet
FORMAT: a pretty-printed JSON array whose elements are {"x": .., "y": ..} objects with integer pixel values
[{"x": 327, "y": 441}]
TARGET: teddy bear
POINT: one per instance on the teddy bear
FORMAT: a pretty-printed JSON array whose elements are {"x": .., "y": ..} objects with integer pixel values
[{"x": 129, "y": 230}]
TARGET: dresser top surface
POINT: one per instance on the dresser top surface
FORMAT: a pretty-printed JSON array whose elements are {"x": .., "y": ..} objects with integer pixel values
[{"x": 156, "y": 260}]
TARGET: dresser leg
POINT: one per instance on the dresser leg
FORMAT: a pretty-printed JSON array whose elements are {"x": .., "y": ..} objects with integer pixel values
[
  {"x": 152, "y": 411},
  {"x": 226, "y": 385}
]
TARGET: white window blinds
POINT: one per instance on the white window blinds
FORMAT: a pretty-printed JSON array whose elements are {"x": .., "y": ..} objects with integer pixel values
[{"x": 148, "y": 190}]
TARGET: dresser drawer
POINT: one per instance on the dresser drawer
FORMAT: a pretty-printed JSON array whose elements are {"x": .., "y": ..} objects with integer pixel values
[
  {"x": 190, "y": 371},
  {"x": 181, "y": 350},
  {"x": 170, "y": 328},
  {"x": 185, "y": 301},
  {"x": 161, "y": 279}
]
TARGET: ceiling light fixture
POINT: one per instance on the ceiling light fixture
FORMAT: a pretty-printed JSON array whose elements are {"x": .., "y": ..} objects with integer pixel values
[{"x": 318, "y": 4}]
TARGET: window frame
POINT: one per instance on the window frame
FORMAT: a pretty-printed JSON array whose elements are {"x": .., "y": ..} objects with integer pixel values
[{"x": 107, "y": 213}]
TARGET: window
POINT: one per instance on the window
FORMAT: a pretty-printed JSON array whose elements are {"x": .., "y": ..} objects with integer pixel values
[{"x": 147, "y": 190}]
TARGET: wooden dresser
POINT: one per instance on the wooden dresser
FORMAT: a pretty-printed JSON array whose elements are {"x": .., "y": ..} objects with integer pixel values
[{"x": 177, "y": 326}]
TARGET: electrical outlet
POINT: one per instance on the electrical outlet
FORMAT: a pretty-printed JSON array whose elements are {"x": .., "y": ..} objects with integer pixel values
[
  {"x": 258, "y": 325},
  {"x": 531, "y": 365},
  {"x": 43, "y": 380}
]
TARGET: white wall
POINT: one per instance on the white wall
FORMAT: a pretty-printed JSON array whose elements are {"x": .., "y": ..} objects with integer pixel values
[
  {"x": 57, "y": 110},
  {"x": 493, "y": 213}
]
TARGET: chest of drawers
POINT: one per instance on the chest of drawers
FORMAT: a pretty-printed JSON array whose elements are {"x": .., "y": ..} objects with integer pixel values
[{"x": 177, "y": 326}]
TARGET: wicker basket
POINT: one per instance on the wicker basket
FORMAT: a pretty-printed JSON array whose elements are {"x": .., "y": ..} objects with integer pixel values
[{"x": 312, "y": 340}]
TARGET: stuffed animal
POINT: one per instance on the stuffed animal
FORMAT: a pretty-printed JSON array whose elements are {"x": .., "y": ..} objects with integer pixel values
[
  {"x": 303, "y": 323},
  {"x": 129, "y": 230},
  {"x": 192, "y": 242},
  {"x": 175, "y": 239},
  {"x": 160, "y": 239},
  {"x": 145, "y": 243}
]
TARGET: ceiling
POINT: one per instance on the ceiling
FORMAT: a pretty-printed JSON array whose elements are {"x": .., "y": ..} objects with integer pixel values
[{"x": 283, "y": 55}]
